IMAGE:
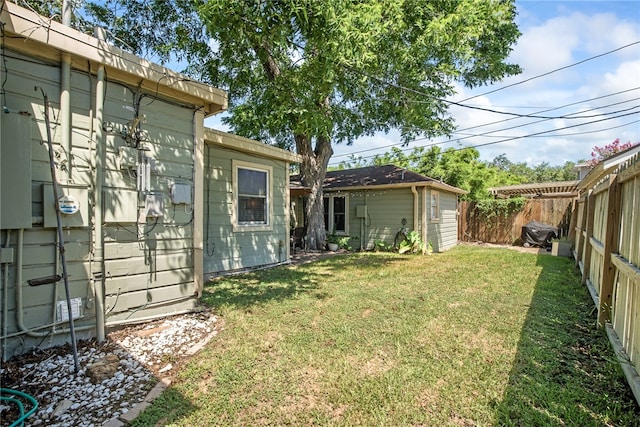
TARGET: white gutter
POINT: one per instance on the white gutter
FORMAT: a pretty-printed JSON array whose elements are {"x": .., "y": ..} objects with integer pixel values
[
  {"x": 416, "y": 207},
  {"x": 425, "y": 235}
]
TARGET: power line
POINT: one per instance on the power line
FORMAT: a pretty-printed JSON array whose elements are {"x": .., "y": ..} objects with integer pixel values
[
  {"x": 506, "y": 120},
  {"x": 553, "y": 71},
  {"x": 560, "y": 134},
  {"x": 489, "y": 110},
  {"x": 508, "y": 139},
  {"x": 546, "y": 131}
]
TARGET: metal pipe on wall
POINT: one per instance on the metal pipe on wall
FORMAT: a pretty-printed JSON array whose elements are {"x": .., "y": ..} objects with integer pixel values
[
  {"x": 99, "y": 234},
  {"x": 65, "y": 110},
  {"x": 19, "y": 297},
  {"x": 65, "y": 94},
  {"x": 5, "y": 302}
]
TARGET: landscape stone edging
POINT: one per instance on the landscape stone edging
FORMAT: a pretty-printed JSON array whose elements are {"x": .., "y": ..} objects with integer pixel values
[{"x": 126, "y": 418}]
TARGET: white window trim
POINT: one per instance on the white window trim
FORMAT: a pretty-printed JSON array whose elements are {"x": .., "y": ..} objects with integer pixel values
[
  {"x": 331, "y": 196},
  {"x": 432, "y": 218},
  {"x": 238, "y": 164}
]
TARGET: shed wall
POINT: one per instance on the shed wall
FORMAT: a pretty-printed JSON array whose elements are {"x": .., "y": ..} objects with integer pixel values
[
  {"x": 385, "y": 211},
  {"x": 227, "y": 249},
  {"x": 443, "y": 234},
  {"x": 148, "y": 263}
]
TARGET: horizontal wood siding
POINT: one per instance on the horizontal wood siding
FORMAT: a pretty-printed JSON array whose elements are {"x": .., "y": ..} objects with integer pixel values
[
  {"x": 443, "y": 233},
  {"x": 39, "y": 254},
  {"x": 385, "y": 211},
  {"x": 149, "y": 266},
  {"x": 150, "y": 263},
  {"x": 229, "y": 250}
]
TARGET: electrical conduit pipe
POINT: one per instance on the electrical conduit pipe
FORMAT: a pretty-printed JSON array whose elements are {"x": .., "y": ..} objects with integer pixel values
[
  {"x": 20, "y": 301},
  {"x": 99, "y": 236}
]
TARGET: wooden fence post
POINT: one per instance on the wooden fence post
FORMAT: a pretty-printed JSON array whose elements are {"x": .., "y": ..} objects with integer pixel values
[
  {"x": 588, "y": 233},
  {"x": 612, "y": 235},
  {"x": 572, "y": 222},
  {"x": 583, "y": 224}
]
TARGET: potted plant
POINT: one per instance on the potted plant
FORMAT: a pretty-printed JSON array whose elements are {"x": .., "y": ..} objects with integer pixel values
[{"x": 333, "y": 240}]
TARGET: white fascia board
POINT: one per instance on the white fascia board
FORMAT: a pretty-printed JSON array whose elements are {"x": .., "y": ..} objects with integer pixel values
[{"x": 36, "y": 31}]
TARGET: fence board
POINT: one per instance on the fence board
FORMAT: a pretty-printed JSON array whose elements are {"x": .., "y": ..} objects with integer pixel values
[
  {"x": 473, "y": 226},
  {"x": 607, "y": 240}
]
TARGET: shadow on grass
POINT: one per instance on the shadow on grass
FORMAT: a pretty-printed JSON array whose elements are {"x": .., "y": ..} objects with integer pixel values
[
  {"x": 564, "y": 372},
  {"x": 284, "y": 282}
]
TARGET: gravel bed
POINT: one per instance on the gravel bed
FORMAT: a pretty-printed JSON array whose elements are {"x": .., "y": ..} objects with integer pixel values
[{"x": 144, "y": 354}]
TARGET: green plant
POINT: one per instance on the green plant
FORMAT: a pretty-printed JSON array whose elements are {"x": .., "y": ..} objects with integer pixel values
[
  {"x": 343, "y": 243},
  {"x": 382, "y": 246},
  {"x": 333, "y": 237},
  {"x": 413, "y": 244},
  {"x": 490, "y": 208}
]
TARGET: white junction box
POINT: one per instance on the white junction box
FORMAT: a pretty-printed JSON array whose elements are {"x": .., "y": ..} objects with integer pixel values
[
  {"x": 62, "y": 311},
  {"x": 154, "y": 205},
  {"x": 181, "y": 193}
]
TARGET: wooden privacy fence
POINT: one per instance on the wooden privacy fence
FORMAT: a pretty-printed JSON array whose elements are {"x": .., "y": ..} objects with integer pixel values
[
  {"x": 473, "y": 225},
  {"x": 606, "y": 240}
]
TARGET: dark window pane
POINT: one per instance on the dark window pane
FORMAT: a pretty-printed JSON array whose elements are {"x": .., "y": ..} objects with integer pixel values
[
  {"x": 252, "y": 182},
  {"x": 252, "y": 209},
  {"x": 325, "y": 204}
]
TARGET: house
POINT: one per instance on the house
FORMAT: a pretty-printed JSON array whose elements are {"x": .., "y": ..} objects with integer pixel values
[
  {"x": 149, "y": 198},
  {"x": 374, "y": 203}
]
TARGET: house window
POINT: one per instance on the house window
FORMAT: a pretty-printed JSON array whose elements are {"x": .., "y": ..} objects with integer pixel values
[
  {"x": 435, "y": 206},
  {"x": 335, "y": 214},
  {"x": 252, "y": 195}
]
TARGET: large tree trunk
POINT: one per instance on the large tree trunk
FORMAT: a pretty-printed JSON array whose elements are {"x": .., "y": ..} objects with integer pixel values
[{"x": 313, "y": 171}]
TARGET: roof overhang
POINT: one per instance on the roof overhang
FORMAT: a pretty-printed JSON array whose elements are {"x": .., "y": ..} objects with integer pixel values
[
  {"x": 238, "y": 143},
  {"x": 544, "y": 189},
  {"x": 428, "y": 184},
  {"x": 49, "y": 40}
]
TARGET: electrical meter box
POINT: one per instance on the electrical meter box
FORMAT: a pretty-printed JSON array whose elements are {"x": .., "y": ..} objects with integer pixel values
[
  {"x": 361, "y": 211},
  {"x": 74, "y": 205}
]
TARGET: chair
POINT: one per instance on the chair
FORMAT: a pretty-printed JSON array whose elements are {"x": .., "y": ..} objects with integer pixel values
[{"x": 297, "y": 239}]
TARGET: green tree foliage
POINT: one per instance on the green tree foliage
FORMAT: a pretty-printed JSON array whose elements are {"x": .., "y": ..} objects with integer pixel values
[
  {"x": 461, "y": 168},
  {"x": 305, "y": 74}
]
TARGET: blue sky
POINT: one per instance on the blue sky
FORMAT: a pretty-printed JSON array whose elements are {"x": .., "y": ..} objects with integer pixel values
[{"x": 555, "y": 34}]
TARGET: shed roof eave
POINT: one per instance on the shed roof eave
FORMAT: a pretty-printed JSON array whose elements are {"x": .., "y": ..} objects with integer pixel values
[
  {"x": 428, "y": 184},
  {"x": 246, "y": 145},
  {"x": 34, "y": 32}
]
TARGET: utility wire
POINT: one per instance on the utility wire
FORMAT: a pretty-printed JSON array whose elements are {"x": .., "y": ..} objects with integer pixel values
[
  {"x": 553, "y": 71},
  {"x": 489, "y": 110},
  {"x": 508, "y": 139},
  {"x": 503, "y": 121}
]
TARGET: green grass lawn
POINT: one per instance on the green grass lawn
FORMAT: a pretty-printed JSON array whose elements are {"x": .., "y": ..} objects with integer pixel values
[{"x": 474, "y": 336}]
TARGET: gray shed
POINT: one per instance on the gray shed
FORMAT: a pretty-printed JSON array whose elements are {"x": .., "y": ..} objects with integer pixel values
[{"x": 373, "y": 203}]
